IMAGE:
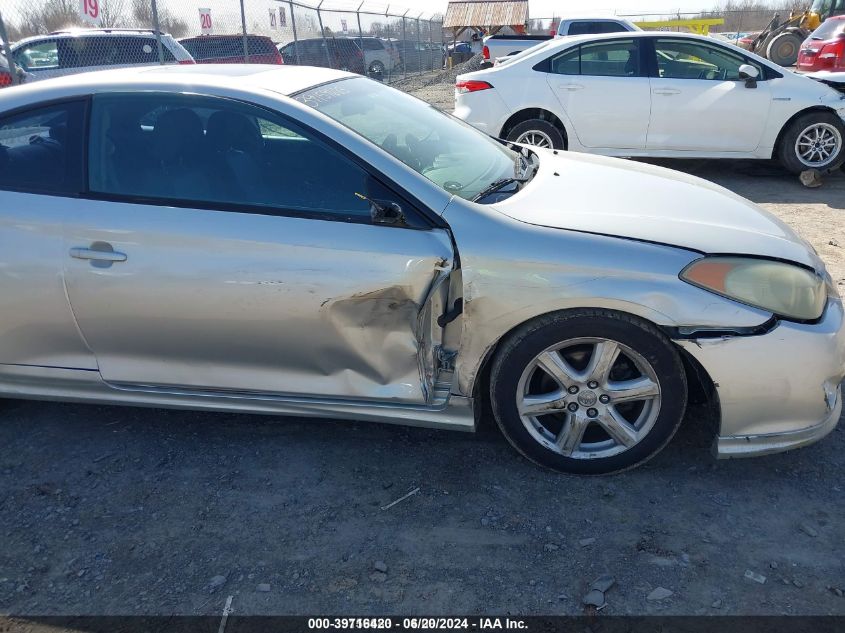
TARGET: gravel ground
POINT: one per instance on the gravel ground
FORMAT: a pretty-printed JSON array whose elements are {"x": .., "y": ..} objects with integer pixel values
[
  {"x": 127, "y": 511},
  {"x": 438, "y": 88}
]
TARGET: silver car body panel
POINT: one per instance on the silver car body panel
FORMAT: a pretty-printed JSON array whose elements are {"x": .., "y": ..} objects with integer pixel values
[
  {"x": 182, "y": 284},
  {"x": 777, "y": 388},
  {"x": 73, "y": 385},
  {"x": 655, "y": 204},
  {"x": 223, "y": 300}
]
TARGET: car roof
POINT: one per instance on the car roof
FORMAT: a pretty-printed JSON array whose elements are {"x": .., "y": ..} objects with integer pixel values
[
  {"x": 217, "y": 78},
  {"x": 592, "y": 17},
  {"x": 625, "y": 35},
  {"x": 205, "y": 38},
  {"x": 562, "y": 43},
  {"x": 69, "y": 33}
]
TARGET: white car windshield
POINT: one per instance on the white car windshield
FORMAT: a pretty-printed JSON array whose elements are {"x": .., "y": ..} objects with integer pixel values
[{"x": 448, "y": 152}]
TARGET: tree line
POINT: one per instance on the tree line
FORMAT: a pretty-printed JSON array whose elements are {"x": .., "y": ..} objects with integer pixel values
[{"x": 37, "y": 17}]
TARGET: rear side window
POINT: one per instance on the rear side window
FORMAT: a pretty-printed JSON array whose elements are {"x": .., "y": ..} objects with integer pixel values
[
  {"x": 260, "y": 46},
  {"x": 616, "y": 58},
  {"x": 211, "y": 47},
  {"x": 41, "y": 150},
  {"x": 38, "y": 56},
  {"x": 587, "y": 27},
  {"x": 81, "y": 52},
  {"x": 373, "y": 45}
]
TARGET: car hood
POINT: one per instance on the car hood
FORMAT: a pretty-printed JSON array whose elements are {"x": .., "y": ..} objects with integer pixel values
[{"x": 628, "y": 199}]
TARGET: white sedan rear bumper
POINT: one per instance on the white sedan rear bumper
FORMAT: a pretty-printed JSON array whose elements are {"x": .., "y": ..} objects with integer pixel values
[{"x": 484, "y": 110}]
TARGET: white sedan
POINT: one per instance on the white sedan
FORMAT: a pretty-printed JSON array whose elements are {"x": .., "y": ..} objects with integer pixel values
[{"x": 667, "y": 95}]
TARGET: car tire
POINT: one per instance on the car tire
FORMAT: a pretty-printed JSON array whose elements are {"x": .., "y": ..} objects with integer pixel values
[
  {"x": 830, "y": 128},
  {"x": 376, "y": 69},
  {"x": 617, "y": 435},
  {"x": 783, "y": 49},
  {"x": 542, "y": 132}
]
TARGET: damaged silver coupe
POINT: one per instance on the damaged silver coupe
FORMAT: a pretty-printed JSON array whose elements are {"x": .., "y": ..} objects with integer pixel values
[{"x": 308, "y": 242}]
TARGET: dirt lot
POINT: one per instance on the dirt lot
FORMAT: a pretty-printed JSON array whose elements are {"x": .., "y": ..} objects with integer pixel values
[{"x": 126, "y": 511}]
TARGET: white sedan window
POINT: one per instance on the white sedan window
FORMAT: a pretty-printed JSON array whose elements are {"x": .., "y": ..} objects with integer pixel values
[{"x": 680, "y": 59}]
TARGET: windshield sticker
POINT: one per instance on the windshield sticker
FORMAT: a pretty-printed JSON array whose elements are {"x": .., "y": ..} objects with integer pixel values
[{"x": 322, "y": 96}]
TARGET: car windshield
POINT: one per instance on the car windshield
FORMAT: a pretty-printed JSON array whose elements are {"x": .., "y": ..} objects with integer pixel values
[{"x": 447, "y": 151}]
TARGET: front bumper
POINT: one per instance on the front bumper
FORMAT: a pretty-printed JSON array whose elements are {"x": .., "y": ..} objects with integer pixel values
[
  {"x": 779, "y": 390},
  {"x": 733, "y": 446}
]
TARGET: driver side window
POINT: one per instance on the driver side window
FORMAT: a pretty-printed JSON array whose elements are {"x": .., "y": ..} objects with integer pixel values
[
  {"x": 209, "y": 151},
  {"x": 686, "y": 59}
]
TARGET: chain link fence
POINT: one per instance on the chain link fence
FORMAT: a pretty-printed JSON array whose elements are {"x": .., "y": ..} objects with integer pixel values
[{"x": 384, "y": 44}]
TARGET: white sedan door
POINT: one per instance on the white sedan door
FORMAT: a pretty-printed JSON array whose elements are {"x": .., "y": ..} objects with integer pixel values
[
  {"x": 604, "y": 93},
  {"x": 699, "y": 102}
]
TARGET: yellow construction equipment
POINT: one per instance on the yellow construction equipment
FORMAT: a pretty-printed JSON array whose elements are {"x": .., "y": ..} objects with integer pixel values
[
  {"x": 781, "y": 41},
  {"x": 700, "y": 27}
]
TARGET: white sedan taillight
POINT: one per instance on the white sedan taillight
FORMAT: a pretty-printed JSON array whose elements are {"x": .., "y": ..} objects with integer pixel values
[{"x": 471, "y": 85}]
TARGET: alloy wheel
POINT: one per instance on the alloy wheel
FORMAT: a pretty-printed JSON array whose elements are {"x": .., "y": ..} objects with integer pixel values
[
  {"x": 588, "y": 398},
  {"x": 818, "y": 145},
  {"x": 535, "y": 138}
]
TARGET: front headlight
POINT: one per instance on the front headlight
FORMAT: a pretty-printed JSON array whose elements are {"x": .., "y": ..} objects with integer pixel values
[{"x": 783, "y": 289}]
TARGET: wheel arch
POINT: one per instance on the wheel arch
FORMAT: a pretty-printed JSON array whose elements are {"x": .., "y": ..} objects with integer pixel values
[
  {"x": 701, "y": 387},
  {"x": 526, "y": 114},
  {"x": 792, "y": 119}
]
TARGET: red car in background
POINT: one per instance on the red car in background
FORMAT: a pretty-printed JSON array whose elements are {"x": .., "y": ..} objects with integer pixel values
[
  {"x": 825, "y": 48},
  {"x": 229, "y": 49},
  {"x": 5, "y": 73}
]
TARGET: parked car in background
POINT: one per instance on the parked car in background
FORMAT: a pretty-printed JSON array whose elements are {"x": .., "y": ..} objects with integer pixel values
[
  {"x": 380, "y": 56},
  {"x": 341, "y": 53},
  {"x": 746, "y": 41},
  {"x": 459, "y": 47},
  {"x": 229, "y": 49},
  {"x": 499, "y": 47},
  {"x": 420, "y": 56},
  {"x": 671, "y": 95},
  {"x": 6, "y": 77},
  {"x": 825, "y": 48},
  {"x": 81, "y": 50},
  {"x": 431, "y": 274},
  {"x": 5, "y": 72},
  {"x": 593, "y": 26}
]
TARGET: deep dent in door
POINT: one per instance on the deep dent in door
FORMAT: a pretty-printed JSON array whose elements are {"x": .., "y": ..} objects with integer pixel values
[{"x": 375, "y": 324}]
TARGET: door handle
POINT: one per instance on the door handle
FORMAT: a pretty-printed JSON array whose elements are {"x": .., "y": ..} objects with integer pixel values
[
  {"x": 97, "y": 256},
  {"x": 666, "y": 91},
  {"x": 571, "y": 87},
  {"x": 98, "y": 252}
]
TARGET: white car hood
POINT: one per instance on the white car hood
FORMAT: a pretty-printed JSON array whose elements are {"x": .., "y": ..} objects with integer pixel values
[{"x": 627, "y": 199}]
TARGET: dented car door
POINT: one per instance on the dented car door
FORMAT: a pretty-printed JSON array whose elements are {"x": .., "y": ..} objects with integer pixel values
[
  {"x": 199, "y": 299},
  {"x": 228, "y": 249}
]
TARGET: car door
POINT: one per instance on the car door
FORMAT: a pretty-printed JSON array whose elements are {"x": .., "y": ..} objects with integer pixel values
[
  {"x": 224, "y": 249},
  {"x": 41, "y": 178},
  {"x": 699, "y": 101},
  {"x": 604, "y": 91}
]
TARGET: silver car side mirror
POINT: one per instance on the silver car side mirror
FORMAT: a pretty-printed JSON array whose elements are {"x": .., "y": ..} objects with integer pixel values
[{"x": 749, "y": 74}]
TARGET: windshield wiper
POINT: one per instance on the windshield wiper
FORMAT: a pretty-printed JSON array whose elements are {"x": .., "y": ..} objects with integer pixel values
[{"x": 498, "y": 185}]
